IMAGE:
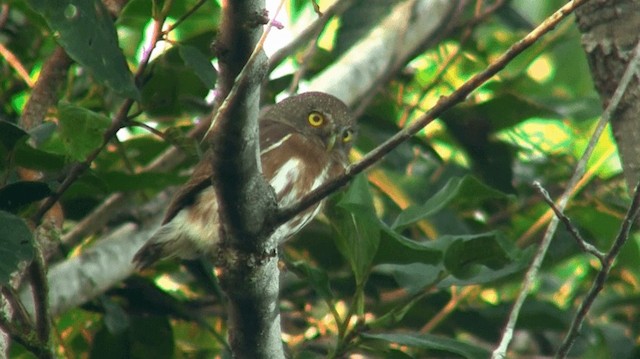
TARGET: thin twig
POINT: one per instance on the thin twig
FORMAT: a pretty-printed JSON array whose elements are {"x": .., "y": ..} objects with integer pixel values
[
  {"x": 184, "y": 16},
  {"x": 532, "y": 272},
  {"x": 14, "y": 62},
  {"x": 310, "y": 32},
  {"x": 118, "y": 122},
  {"x": 243, "y": 76},
  {"x": 586, "y": 246},
  {"x": 601, "y": 277},
  {"x": 443, "y": 104},
  {"x": 40, "y": 289},
  {"x": 623, "y": 235}
]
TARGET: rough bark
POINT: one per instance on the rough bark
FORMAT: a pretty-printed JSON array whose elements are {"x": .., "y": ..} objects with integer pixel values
[
  {"x": 248, "y": 260},
  {"x": 62, "y": 276},
  {"x": 609, "y": 33}
]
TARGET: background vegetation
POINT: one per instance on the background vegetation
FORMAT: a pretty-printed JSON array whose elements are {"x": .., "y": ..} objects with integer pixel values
[{"x": 424, "y": 255}]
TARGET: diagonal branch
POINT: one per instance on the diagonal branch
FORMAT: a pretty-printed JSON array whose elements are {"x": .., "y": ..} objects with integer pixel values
[
  {"x": 444, "y": 104},
  {"x": 629, "y": 219},
  {"x": 532, "y": 272},
  {"x": 584, "y": 245},
  {"x": 118, "y": 122}
]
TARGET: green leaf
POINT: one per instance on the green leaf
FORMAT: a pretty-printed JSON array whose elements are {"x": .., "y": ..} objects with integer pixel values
[
  {"x": 466, "y": 255},
  {"x": 413, "y": 277},
  {"x": 397, "y": 249},
  {"x": 468, "y": 188},
  {"x": 172, "y": 88},
  {"x": 109, "y": 345},
  {"x": 395, "y": 315},
  {"x": 29, "y": 157},
  {"x": 152, "y": 337},
  {"x": 18, "y": 194},
  {"x": 123, "y": 182},
  {"x": 200, "y": 64},
  {"x": 10, "y": 135},
  {"x": 81, "y": 130},
  {"x": 85, "y": 29},
  {"x": 428, "y": 341},
  {"x": 356, "y": 227},
  {"x": 316, "y": 277},
  {"x": 16, "y": 244}
]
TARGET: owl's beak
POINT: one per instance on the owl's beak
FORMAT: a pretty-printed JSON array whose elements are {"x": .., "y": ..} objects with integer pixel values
[{"x": 331, "y": 141}]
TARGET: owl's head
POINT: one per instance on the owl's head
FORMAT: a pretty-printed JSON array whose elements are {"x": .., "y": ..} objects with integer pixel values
[{"x": 319, "y": 117}]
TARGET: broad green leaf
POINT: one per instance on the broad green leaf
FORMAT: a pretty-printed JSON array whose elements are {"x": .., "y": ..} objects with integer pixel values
[
  {"x": 466, "y": 255},
  {"x": 10, "y": 134},
  {"x": 428, "y": 341},
  {"x": 468, "y": 189},
  {"x": 123, "y": 182},
  {"x": 172, "y": 87},
  {"x": 413, "y": 277},
  {"x": 316, "y": 277},
  {"x": 357, "y": 228},
  {"x": 81, "y": 130},
  {"x": 18, "y": 194},
  {"x": 29, "y": 157},
  {"x": 43, "y": 132},
  {"x": 395, "y": 315},
  {"x": 200, "y": 64},
  {"x": 85, "y": 29},
  {"x": 16, "y": 244},
  {"x": 397, "y": 249}
]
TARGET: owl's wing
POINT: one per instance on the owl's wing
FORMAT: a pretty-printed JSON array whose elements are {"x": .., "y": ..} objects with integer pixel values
[
  {"x": 271, "y": 132},
  {"x": 187, "y": 194}
]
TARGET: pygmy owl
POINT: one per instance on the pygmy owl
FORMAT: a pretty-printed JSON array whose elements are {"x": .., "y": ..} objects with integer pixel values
[{"x": 304, "y": 141}]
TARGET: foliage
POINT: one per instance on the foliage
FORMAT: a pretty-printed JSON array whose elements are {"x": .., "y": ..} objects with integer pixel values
[{"x": 421, "y": 257}]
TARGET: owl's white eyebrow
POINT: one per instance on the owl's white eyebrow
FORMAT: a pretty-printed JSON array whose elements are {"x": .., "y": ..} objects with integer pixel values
[{"x": 275, "y": 144}]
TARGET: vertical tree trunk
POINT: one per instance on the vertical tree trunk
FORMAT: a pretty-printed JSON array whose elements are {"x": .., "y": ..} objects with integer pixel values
[{"x": 610, "y": 30}]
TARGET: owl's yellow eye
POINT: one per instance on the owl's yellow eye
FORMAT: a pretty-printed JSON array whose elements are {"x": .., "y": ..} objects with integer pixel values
[
  {"x": 316, "y": 119},
  {"x": 347, "y": 136}
]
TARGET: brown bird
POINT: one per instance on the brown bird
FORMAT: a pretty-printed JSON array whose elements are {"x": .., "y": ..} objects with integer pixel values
[{"x": 304, "y": 141}]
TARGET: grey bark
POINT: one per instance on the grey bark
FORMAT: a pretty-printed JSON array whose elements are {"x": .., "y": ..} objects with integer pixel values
[
  {"x": 403, "y": 32},
  {"x": 609, "y": 33}
]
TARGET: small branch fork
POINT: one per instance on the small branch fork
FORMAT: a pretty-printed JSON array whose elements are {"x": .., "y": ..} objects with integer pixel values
[
  {"x": 584, "y": 245},
  {"x": 443, "y": 104},
  {"x": 605, "y": 259}
]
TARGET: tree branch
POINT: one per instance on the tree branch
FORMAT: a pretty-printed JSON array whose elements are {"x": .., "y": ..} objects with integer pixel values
[
  {"x": 118, "y": 122},
  {"x": 248, "y": 257},
  {"x": 532, "y": 272},
  {"x": 630, "y": 217},
  {"x": 445, "y": 103},
  {"x": 584, "y": 245},
  {"x": 310, "y": 32}
]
